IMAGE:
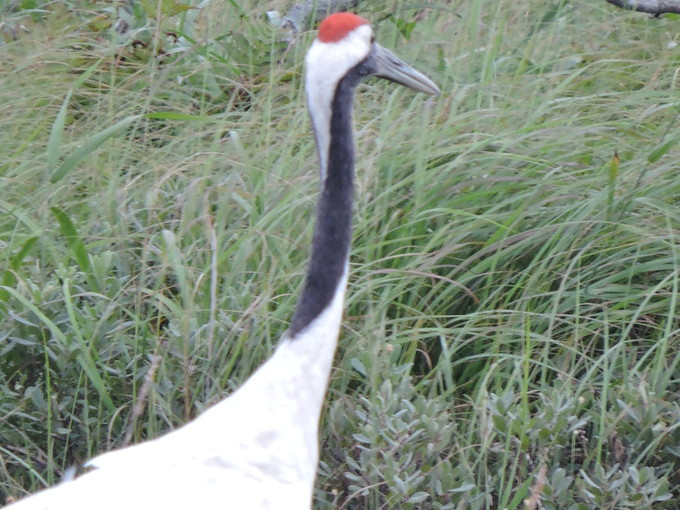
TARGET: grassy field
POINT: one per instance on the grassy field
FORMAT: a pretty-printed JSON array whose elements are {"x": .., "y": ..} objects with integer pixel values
[{"x": 512, "y": 325}]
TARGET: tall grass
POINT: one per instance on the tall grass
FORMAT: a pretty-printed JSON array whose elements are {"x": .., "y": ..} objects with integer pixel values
[{"x": 512, "y": 323}]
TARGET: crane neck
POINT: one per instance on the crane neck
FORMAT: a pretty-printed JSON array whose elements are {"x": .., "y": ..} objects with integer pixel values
[{"x": 326, "y": 275}]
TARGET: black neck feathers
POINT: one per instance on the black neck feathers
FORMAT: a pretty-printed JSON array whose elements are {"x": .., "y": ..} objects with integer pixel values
[{"x": 333, "y": 229}]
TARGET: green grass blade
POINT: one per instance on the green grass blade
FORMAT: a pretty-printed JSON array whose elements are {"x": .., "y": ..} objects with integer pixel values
[
  {"x": 56, "y": 135},
  {"x": 22, "y": 217},
  {"x": 90, "y": 146},
  {"x": 9, "y": 278},
  {"x": 178, "y": 116},
  {"x": 612, "y": 175},
  {"x": 661, "y": 149},
  {"x": 73, "y": 240}
]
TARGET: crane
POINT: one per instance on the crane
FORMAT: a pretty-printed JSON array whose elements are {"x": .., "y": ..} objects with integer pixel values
[{"x": 258, "y": 448}]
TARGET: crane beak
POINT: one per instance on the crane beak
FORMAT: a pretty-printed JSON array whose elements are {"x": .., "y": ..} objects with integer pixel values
[{"x": 392, "y": 68}]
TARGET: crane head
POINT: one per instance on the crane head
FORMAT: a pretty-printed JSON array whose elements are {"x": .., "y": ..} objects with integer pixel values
[
  {"x": 345, "y": 48},
  {"x": 346, "y": 41}
]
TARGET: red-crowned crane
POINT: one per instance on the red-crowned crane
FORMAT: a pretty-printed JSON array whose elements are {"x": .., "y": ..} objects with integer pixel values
[{"x": 258, "y": 448}]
